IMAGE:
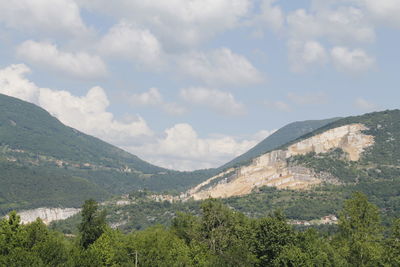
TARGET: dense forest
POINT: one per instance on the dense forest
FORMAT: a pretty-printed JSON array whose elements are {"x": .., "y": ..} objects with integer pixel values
[{"x": 219, "y": 236}]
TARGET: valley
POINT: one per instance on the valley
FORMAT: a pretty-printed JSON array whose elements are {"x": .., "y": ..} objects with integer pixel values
[{"x": 307, "y": 169}]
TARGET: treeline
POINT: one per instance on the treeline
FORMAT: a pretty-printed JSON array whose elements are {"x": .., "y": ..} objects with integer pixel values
[{"x": 220, "y": 236}]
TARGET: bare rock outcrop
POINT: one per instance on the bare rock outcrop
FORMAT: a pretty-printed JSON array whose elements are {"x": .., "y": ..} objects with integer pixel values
[
  {"x": 272, "y": 169},
  {"x": 47, "y": 214}
]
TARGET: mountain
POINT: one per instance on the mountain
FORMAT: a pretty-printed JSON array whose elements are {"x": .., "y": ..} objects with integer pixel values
[
  {"x": 45, "y": 163},
  {"x": 311, "y": 176},
  {"x": 281, "y": 137},
  {"x": 308, "y": 178},
  {"x": 340, "y": 152}
]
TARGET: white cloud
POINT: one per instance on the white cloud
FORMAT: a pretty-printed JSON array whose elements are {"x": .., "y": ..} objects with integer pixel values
[
  {"x": 271, "y": 16},
  {"x": 386, "y": 11},
  {"x": 126, "y": 41},
  {"x": 181, "y": 148},
  {"x": 153, "y": 97},
  {"x": 220, "y": 67},
  {"x": 344, "y": 24},
  {"x": 13, "y": 83},
  {"x": 330, "y": 22},
  {"x": 47, "y": 55},
  {"x": 87, "y": 113},
  {"x": 176, "y": 22},
  {"x": 215, "y": 99},
  {"x": 363, "y": 104},
  {"x": 52, "y": 16},
  {"x": 150, "y": 98},
  {"x": 353, "y": 61},
  {"x": 314, "y": 98},
  {"x": 303, "y": 55}
]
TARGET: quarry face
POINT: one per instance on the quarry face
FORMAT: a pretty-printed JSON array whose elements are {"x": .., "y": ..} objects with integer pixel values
[{"x": 272, "y": 169}]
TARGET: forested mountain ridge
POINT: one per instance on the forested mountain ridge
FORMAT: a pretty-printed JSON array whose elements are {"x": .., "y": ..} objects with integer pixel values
[
  {"x": 45, "y": 163},
  {"x": 34, "y": 173},
  {"x": 362, "y": 155},
  {"x": 27, "y": 127}
]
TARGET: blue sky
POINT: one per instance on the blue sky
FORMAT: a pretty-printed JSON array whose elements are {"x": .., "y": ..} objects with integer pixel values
[{"x": 192, "y": 84}]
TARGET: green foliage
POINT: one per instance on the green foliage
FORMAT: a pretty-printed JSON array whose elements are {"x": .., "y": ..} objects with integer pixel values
[
  {"x": 156, "y": 246},
  {"x": 360, "y": 232},
  {"x": 30, "y": 245},
  {"x": 93, "y": 223},
  {"x": 219, "y": 236},
  {"x": 392, "y": 252},
  {"x": 45, "y": 163},
  {"x": 272, "y": 235},
  {"x": 112, "y": 249}
]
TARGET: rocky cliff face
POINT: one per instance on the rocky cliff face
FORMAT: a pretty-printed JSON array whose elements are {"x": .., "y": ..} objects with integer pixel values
[
  {"x": 272, "y": 169},
  {"x": 47, "y": 214}
]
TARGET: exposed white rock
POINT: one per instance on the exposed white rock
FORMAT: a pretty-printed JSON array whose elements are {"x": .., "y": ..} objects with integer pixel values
[
  {"x": 47, "y": 214},
  {"x": 271, "y": 169}
]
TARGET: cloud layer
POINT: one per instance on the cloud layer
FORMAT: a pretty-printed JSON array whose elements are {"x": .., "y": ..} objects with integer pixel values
[
  {"x": 81, "y": 65},
  {"x": 180, "y": 147}
]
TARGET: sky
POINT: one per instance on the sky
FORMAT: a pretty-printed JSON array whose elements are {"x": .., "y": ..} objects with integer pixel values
[{"x": 191, "y": 84}]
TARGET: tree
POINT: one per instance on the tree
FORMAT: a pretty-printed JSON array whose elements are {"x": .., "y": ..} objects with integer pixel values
[
  {"x": 111, "y": 247},
  {"x": 272, "y": 234},
  {"x": 12, "y": 233},
  {"x": 360, "y": 232},
  {"x": 392, "y": 251},
  {"x": 227, "y": 234},
  {"x": 157, "y": 246},
  {"x": 93, "y": 223}
]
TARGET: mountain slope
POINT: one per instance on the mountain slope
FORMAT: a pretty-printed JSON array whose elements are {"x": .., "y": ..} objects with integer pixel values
[
  {"x": 281, "y": 137},
  {"x": 25, "y": 126},
  {"x": 346, "y": 151},
  {"x": 360, "y": 153},
  {"x": 45, "y": 163}
]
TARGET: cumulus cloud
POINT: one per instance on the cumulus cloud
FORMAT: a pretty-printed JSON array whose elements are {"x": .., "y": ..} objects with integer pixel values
[
  {"x": 153, "y": 97},
  {"x": 181, "y": 148},
  {"x": 334, "y": 23},
  {"x": 47, "y": 55},
  {"x": 176, "y": 22},
  {"x": 86, "y": 113},
  {"x": 220, "y": 67},
  {"x": 271, "y": 16},
  {"x": 127, "y": 41},
  {"x": 353, "y": 61},
  {"x": 385, "y": 11},
  {"x": 150, "y": 98},
  {"x": 217, "y": 100},
  {"x": 52, "y": 16},
  {"x": 364, "y": 104},
  {"x": 13, "y": 83},
  {"x": 303, "y": 55},
  {"x": 344, "y": 24}
]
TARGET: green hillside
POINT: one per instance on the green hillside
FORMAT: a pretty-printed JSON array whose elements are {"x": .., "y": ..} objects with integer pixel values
[
  {"x": 28, "y": 127},
  {"x": 45, "y": 163},
  {"x": 377, "y": 174}
]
